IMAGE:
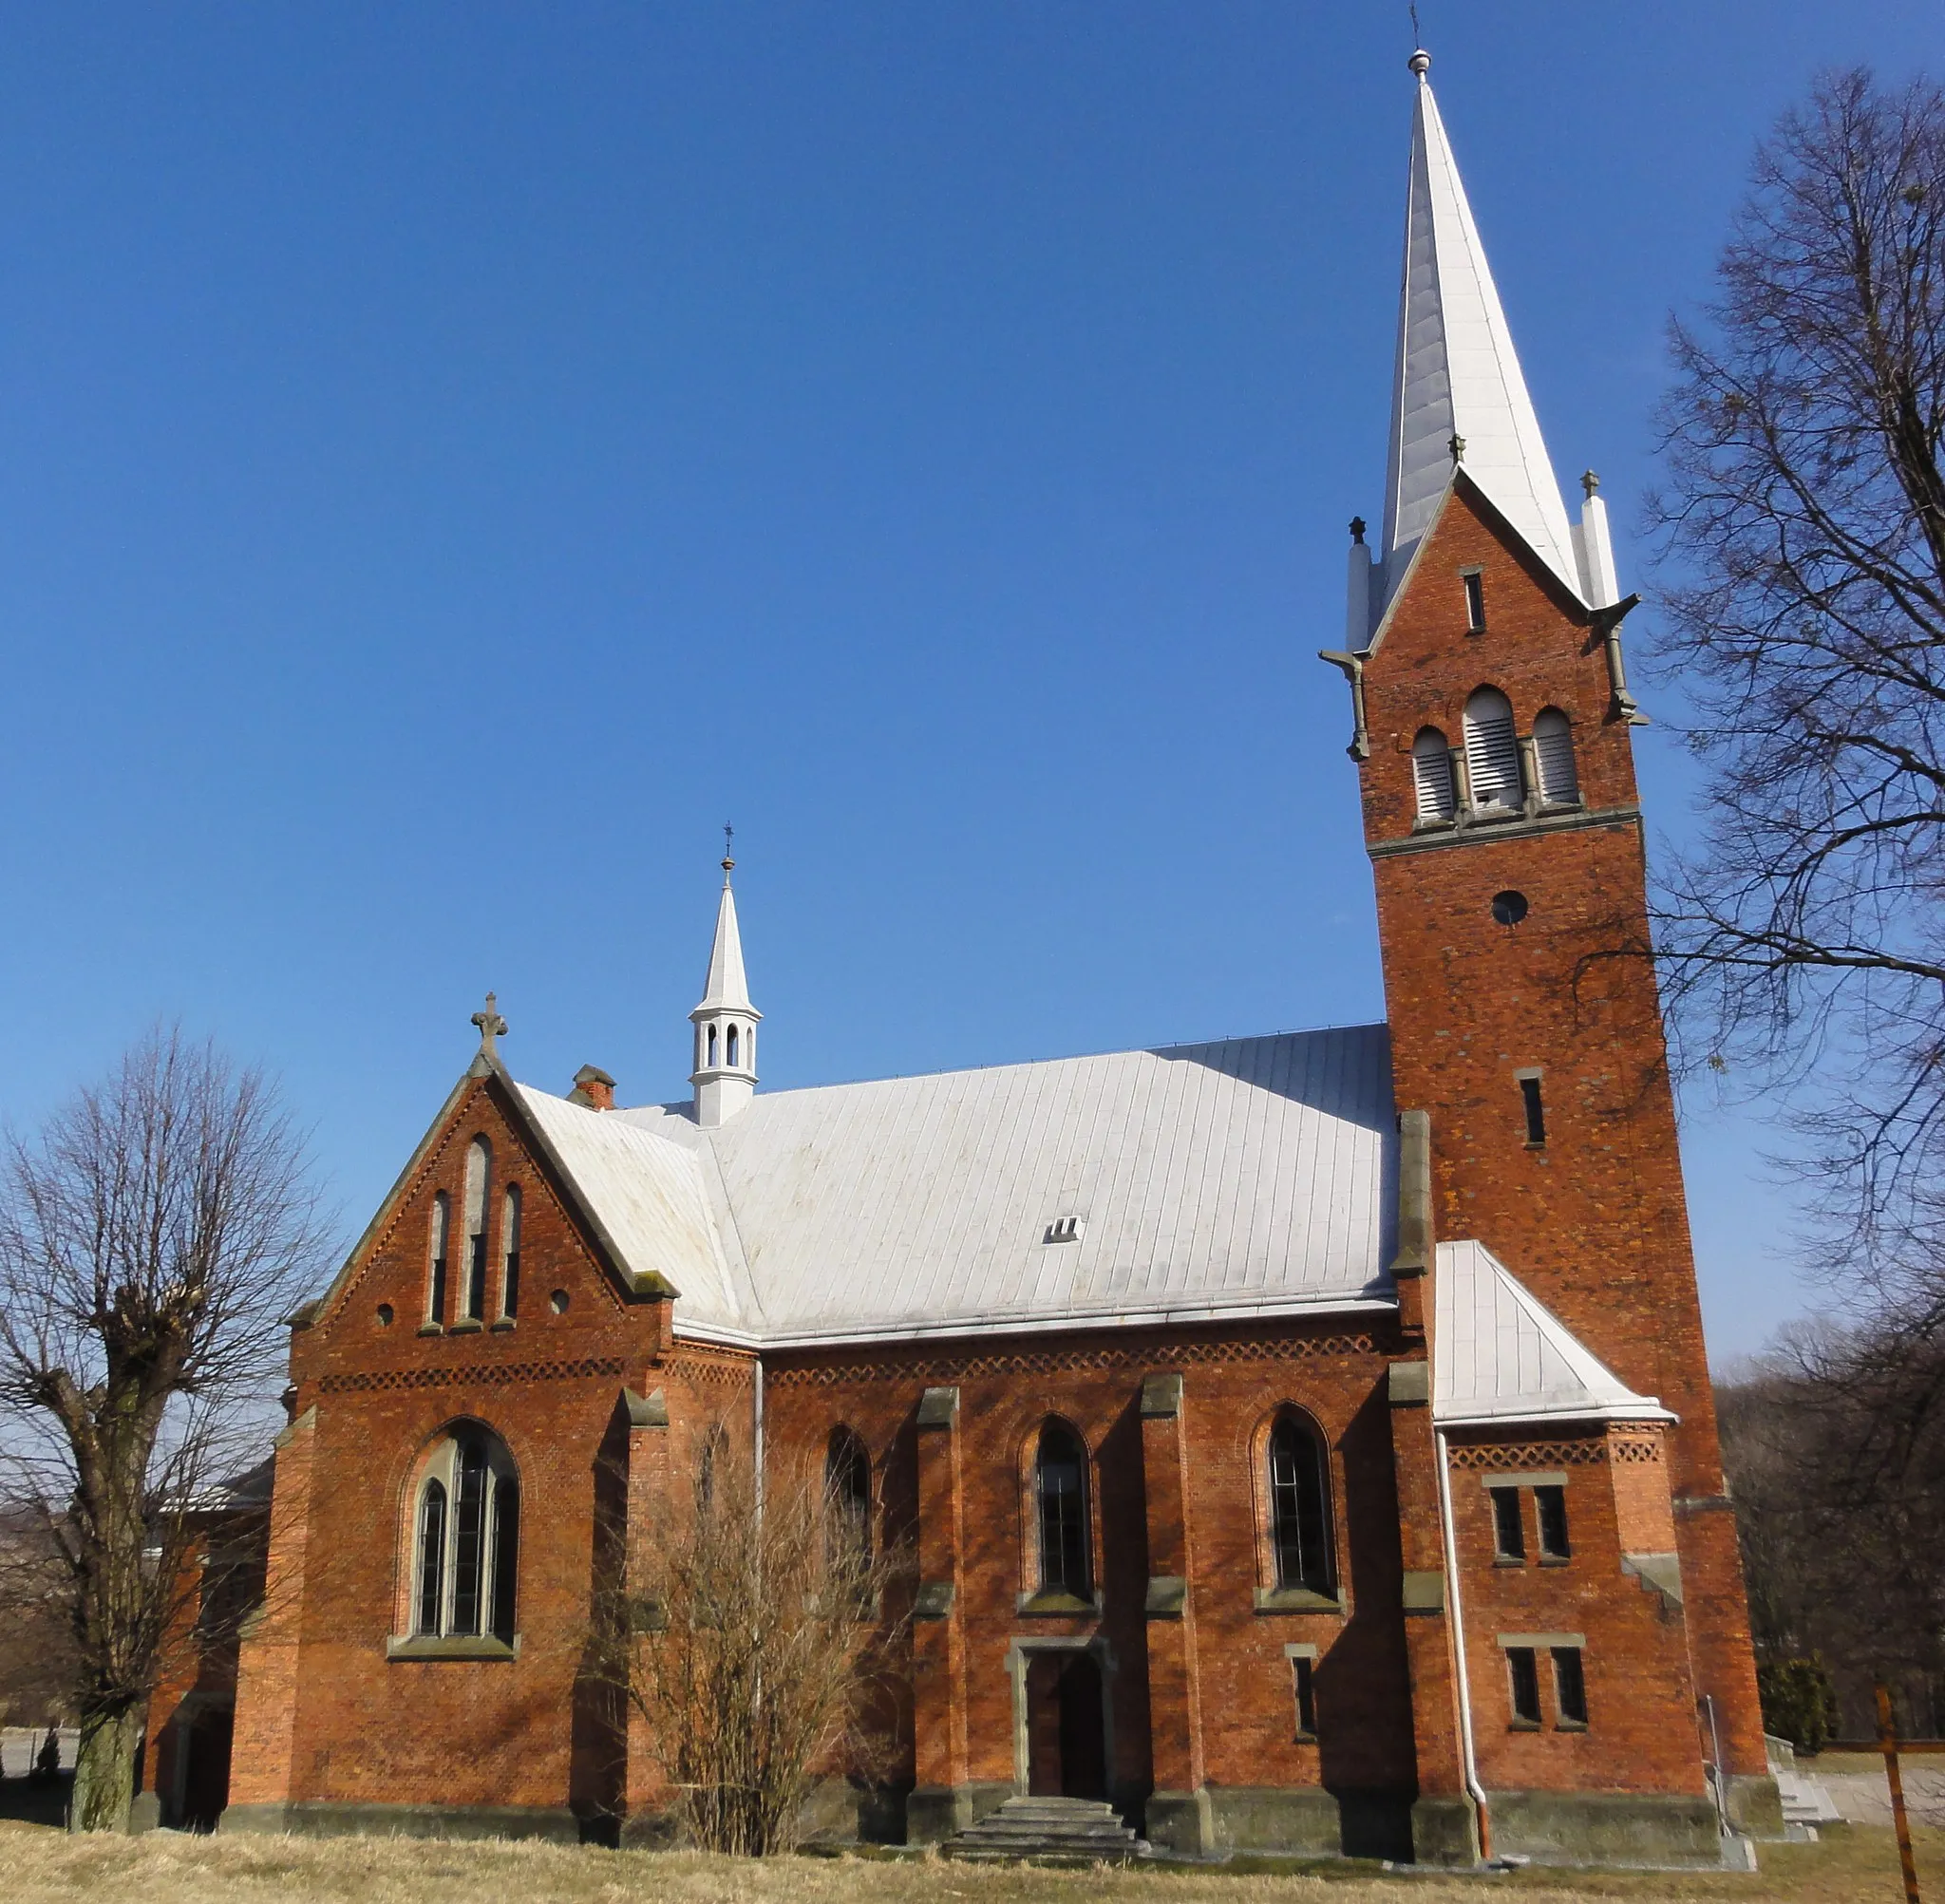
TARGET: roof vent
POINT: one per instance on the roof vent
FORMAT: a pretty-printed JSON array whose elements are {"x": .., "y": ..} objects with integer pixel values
[{"x": 1063, "y": 1229}]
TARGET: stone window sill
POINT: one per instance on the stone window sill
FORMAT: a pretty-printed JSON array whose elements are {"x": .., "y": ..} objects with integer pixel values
[
  {"x": 470, "y": 1326},
  {"x": 1571, "y": 1725},
  {"x": 1296, "y": 1600},
  {"x": 1556, "y": 1559},
  {"x": 1509, "y": 1560},
  {"x": 1054, "y": 1603},
  {"x": 501, "y": 1326},
  {"x": 454, "y": 1645},
  {"x": 430, "y": 1328},
  {"x": 1522, "y": 1725}
]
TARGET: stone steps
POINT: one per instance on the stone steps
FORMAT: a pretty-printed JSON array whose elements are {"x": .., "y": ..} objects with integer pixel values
[{"x": 1079, "y": 1830}]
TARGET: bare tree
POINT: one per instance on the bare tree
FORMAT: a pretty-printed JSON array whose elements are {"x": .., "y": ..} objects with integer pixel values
[
  {"x": 756, "y": 1643},
  {"x": 1805, "y": 941},
  {"x": 152, "y": 1237}
]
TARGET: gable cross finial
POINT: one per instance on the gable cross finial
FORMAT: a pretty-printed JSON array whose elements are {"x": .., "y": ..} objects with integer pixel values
[
  {"x": 1457, "y": 446},
  {"x": 728, "y": 844},
  {"x": 491, "y": 1026}
]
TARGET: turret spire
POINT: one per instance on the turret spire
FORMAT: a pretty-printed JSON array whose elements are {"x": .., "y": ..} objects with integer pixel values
[
  {"x": 1459, "y": 399},
  {"x": 725, "y": 1021}
]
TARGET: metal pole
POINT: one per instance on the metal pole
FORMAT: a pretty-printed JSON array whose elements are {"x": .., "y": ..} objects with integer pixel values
[{"x": 1887, "y": 1744}]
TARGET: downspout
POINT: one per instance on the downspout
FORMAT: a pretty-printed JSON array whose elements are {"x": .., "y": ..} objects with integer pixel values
[
  {"x": 1466, "y": 1757},
  {"x": 757, "y": 1434}
]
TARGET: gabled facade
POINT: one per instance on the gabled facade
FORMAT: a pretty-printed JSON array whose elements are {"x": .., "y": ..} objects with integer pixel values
[{"x": 1305, "y": 1441}]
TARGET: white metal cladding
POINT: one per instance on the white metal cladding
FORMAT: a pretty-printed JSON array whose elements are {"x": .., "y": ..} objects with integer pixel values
[
  {"x": 1432, "y": 772},
  {"x": 1497, "y": 1354},
  {"x": 1553, "y": 751},
  {"x": 1457, "y": 373},
  {"x": 1255, "y": 1176},
  {"x": 1491, "y": 749}
]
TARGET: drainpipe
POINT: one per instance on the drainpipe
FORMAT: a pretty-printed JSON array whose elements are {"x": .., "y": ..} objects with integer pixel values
[
  {"x": 756, "y": 1434},
  {"x": 1474, "y": 1789}
]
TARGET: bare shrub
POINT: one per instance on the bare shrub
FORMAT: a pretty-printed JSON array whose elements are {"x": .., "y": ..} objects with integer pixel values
[{"x": 755, "y": 1640}]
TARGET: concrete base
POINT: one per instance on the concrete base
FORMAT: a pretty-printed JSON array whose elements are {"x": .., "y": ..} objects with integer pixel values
[
  {"x": 936, "y": 1813},
  {"x": 1182, "y": 1824},
  {"x": 1264, "y": 1817},
  {"x": 310, "y": 1818},
  {"x": 1606, "y": 1828},
  {"x": 837, "y": 1812},
  {"x": 1755, "y": 1805},
  {"x": 1444, "y": 1831}
]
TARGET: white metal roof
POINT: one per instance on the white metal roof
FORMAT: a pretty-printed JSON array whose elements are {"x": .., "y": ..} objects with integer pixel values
[
  {"x": 1251, "y": 1177},
  {"x": 1499, "y": 1355},
  {"x": 1457, "y": 373}
]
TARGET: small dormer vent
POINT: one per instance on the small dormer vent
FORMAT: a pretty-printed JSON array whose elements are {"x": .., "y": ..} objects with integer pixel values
[{"x": 1063, "y": 1229}]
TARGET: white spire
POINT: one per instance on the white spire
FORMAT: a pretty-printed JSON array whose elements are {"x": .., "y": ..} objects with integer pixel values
[
  {"x": 726, "y": 1022},
  {"x": 1456, "y": 374}
]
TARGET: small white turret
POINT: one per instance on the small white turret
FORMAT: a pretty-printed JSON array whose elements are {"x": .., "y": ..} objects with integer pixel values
[{"x": 726, "y": 1022}]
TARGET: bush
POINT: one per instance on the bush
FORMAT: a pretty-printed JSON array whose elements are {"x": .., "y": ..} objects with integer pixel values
[{"x": 1799, "y": 1701}]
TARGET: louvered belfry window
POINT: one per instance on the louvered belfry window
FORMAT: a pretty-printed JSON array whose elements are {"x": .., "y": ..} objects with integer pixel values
[
  {"x": 1553, "y": 752},
  {"x": 1431, "y": 773},
  {"x": 1492, "y": 750}
]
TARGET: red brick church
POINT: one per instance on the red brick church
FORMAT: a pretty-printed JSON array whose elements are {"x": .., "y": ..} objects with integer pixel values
[{"x": 1307, "y": 1438}]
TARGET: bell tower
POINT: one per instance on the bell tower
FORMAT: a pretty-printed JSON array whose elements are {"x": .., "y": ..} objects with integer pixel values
[{"x": 1493, "y": 737}]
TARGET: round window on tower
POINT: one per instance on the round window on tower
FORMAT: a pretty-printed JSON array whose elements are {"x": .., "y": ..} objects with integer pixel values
[{"x": 1508, "y": 908}]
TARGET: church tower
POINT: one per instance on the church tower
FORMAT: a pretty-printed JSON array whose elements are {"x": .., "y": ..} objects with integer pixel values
[
  {"x": 726, "y": 1022},
  {"x": 1493, "y": 736}
]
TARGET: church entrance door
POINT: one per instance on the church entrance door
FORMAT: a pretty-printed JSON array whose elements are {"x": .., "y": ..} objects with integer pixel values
[{"x": 1066, "y": 1753}]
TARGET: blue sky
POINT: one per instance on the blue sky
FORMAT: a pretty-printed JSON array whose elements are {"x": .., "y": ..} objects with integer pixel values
[{"x": 453, "y": 457}]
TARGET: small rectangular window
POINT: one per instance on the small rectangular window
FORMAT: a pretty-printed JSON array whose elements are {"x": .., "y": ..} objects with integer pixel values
[
  {"x": 1551, "y": 1505},
  {"x": 1509, "y": 1534},
  {"x": 1522, "y": 1675},
  {"x": 1569, "y": 1684},
  {"x": 1536, "y": 1111},
  {"x": 1303, "y": 1672},
  {"x": 1475, "y": 603}
]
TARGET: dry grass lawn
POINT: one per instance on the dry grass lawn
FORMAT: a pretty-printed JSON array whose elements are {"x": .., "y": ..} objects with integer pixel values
[{"x": 43, "y": 1866}]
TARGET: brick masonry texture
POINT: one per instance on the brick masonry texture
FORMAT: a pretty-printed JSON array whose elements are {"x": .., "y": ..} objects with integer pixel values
[{"x": 1198, "y": 1692}]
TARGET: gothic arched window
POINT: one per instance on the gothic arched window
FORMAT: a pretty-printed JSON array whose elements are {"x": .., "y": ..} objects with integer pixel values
[
  {"x": 1060, "y": 1477},
  {"x": 479, "y": 1169},
  {"x": 732, "y": 1048},
  {"x": 1492, "y": 751},
  {"x": 847, "y": 1491},
  {"x": 1299, "y": 1505},
  {"x": 711, "y": 1064},
  {"x": 1431, "y": 776},
  {"x": 510, "y": 1251},
  {"x": 467, "y": 1533},
  {"x": 439, "y": 1242},
  {"x": 1553, "y": 754}
]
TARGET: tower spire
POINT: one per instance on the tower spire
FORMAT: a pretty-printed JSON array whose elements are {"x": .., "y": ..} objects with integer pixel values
[
  {"x": 1458, "y": 379},
  {"x": 725, "y": 1021}
]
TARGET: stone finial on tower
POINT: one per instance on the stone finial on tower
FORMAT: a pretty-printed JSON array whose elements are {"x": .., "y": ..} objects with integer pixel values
[{"x": 725, "y": 1021}]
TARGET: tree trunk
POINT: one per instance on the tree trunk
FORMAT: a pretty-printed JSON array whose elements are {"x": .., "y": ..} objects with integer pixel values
[{"x": 104, "y": 1769}]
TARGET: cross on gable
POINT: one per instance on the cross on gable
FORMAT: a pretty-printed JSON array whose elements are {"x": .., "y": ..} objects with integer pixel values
[{"x": 491, "y": 1026}]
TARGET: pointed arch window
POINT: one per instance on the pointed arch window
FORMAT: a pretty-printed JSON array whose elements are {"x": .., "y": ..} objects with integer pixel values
[
  {"x": 1492, "y": 752},
  {"x": 510, "y": 1253},
  {"x": 1061, "y": 1484},
  {"x": 711, "y": 1064},
  {"x": 466, "y": 1533},
  {"x": 733, "y": 1046},
  {"x": 1299, "y": 1506},
  {"x": 847, "y": 1492},
  {"x": 438, "y": 1243},
  {"x": 1431, "y": 774},
  {"x": 478, "y": 1170},
  {"x": 1553, "y": 755}
]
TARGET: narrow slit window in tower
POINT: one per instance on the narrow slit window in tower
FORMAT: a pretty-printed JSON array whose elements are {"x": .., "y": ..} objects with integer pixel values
[
  {"x": 1535, "y": 1110},
  {"x": 1475, "y": 602}
]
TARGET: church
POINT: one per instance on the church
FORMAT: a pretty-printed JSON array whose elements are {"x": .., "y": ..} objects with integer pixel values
[{"x": 1306, "y": 1441}]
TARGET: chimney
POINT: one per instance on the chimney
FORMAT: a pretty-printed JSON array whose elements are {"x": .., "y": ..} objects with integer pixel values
[{"x": 593, "y": 1088}]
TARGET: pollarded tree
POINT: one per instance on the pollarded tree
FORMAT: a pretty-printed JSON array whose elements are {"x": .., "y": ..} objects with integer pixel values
[{"x": 153, "y": 1235}]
